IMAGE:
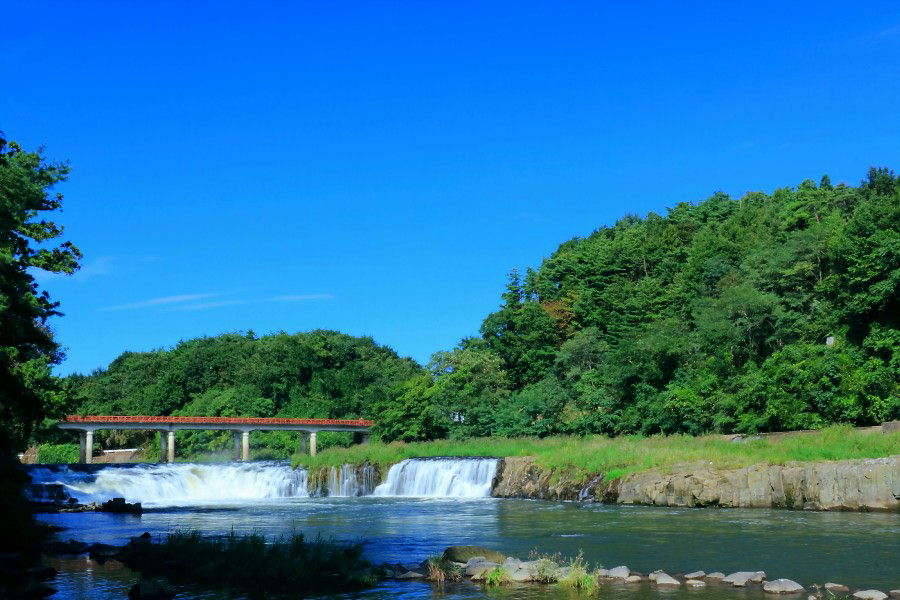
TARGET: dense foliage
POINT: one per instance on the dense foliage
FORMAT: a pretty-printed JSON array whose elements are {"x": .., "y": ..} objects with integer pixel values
[
  {"x": 768, "y": 312},
  {"x": 321, "y": 374},
  {"x": 28, "y": 391}
]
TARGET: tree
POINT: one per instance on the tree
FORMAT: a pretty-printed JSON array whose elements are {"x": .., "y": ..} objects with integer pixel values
[{"x": 27, "y": 347}]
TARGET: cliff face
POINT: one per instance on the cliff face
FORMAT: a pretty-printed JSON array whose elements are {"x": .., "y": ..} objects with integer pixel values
[{"x": 867, "y": 485}]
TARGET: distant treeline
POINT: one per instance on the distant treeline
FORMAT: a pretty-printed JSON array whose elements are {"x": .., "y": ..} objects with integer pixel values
[{"x": 768, "y": 312}]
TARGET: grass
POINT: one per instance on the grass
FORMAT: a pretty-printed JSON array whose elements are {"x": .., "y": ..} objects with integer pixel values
[
  {"x": 580, "y": 576},
  {"x": 441, "y": 570},
  {"x": 624, "y": 455},
  {"x": 248, "y": 564},
  {"x": 496, "y": 577}
]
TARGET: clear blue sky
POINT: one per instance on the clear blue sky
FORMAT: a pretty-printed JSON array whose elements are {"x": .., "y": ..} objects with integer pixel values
[{"x": 378, "y": 168}]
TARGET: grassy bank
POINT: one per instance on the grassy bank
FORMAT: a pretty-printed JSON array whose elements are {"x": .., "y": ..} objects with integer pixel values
[{"x": 619, "y": 456}]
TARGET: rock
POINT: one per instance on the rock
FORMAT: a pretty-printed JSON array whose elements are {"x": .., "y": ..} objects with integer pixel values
[
  {"x": 462, "y": 554},
  {"x": 862, "y": 484},
  {"x": 618, "y": 573},
  {"x": 543, "y": 570},
  {"x": 103, "y": 552},
  {"x": 695, "y": 583},
  {"x": 43, "y": 573},
  {"x": 652, "y": 576},
  {"x": 716, "y": 576},
  {"x": 894, "y": 593},
  {"x": 478, "y": 565},
  {"x": 517, "y": 570},
  {"x": 695, "y": 575},
  {"x": 634, "y": 579},
  {"x": 411, "y": 575},
  {"x": 150, "y": 590},
  {"x": 118, "y": 505},
  {"x": 67, "y": 547},
  {"x": 837, "y": 588},
  {"x": 870, "y": 595},
  {"x": 782, "y": 586},
  {"x": 665, "y": 579},
  {"x": 742, "y": 578}
]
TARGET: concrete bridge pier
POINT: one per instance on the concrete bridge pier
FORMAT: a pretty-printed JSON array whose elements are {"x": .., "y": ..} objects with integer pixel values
[
  {"x": 170, "y": 450},
  {"x": 162, "y": 445},
  {"x": 245, "y": 446},
  {"x": 237, "y": 446},
  {"x": 312, "y": 443},
  {"x": 86, "y": 446}
]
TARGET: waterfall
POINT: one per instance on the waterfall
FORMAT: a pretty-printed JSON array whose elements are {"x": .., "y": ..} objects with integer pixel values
[
  {"x": 350, "y": 481},
  {"x": 180, "y": 484},
  {"x": 440, "y": 477}
]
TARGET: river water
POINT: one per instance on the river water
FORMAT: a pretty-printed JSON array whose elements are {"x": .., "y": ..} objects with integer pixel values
[{"x": 858, "y": 549}]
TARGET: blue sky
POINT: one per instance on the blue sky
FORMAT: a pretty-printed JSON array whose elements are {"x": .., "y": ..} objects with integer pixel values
[{"x": 378, "y": 168}]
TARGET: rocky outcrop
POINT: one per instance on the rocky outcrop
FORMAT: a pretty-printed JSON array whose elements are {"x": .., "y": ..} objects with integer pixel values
[
  {"x": 520, "y": 477},
  {"x": 865, "y": 485},
  {"x": 869, "y": 485}
]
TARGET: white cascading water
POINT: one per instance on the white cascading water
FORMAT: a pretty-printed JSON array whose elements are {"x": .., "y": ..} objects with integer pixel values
[
  {"x": 440, "y": 478},
  {"x": 350, "y": 481},
  {"x": 182, "y": 484}
]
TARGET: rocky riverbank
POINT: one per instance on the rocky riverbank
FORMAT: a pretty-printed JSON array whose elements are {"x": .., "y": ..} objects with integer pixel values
[
  {"x": 493, "y": 568},
  {"x": 865, "y": 485}
]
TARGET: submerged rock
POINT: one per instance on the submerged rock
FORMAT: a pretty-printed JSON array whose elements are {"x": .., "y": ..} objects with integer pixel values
[
  {"x": 783, "y": 586},
  {"x": 411, "y": 575},
  {"x": 870, "y": 595},
  {"x": 837, "y": 588},
  {"x": 717, "y": 575},
  {"x": 695, "y": 583},
  {"x": 634, "y": 579}
]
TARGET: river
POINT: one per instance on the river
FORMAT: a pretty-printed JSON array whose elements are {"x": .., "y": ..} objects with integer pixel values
[{"x": 857, "y": 549}]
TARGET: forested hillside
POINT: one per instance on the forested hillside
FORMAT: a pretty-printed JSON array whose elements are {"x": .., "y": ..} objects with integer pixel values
[
  {"x": 768, "y": 312},
  {"x": 321, "y": 374}
]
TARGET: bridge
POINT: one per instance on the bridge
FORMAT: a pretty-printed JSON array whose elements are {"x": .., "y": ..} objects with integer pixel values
[{"x": 241, "y": 426}]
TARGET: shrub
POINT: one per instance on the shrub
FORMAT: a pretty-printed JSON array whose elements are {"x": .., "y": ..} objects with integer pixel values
[
  {"x": 58, "y": 453},
  {"x": 441, "y": 570}
]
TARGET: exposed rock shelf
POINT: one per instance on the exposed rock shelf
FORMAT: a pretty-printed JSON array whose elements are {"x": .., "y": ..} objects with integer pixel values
[{"x": 866, "y": 485}]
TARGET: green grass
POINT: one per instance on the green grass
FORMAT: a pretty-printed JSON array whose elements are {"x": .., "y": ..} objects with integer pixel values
[
  {"x": 58, "y": 454},
  {"x": 497, "y": 576},
  {"x": 620, "y": 456},
  {"x": 249, "y": 564}
]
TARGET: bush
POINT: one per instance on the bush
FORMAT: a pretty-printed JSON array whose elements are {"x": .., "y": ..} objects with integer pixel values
[{"x": 58, "y": 453}]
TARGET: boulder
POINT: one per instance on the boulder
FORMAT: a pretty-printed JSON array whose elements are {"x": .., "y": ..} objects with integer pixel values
[
  {"x": 543, "y": 570},
  {"x": 782, "y": 586},
  {"x": 870, "y": 595},
  {"x": 837, "y": 588},
  {"x": 411, "y": 575},
  {"x": 478, "y": 565},
  {"x": 717, "y": 575},
  {"x": 618, "y": 573},
  {"x": 742, "y": 578},
  {"x": 118, "y": 505},
  {"x": 894, "y": 593},
  {"x": 695, "y": 583},
  {"x": 652, "y": 576},
  {"x": 634, "y": 579},
  {"x": 665, "y": 579},
  {"x": 517, "y": 570},
  {"x": 695, "y": 575},
  {"x": 462, "y": 554}
]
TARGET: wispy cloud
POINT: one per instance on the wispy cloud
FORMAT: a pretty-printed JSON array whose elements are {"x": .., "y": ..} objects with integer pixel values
[
  {"x": 301, "y": 297},
  {"x": 102, "y": 265},
  {"x": 207, "y": 305},
  {"x": 162, "y": 301},
  {"x": 185, "y": 302}
]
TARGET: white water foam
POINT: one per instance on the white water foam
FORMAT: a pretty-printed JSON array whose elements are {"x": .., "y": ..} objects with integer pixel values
[
  {"x": 440, "y": 478},
  {"x": 182, "y": 484},
  {"x": 350, "y": 481}
]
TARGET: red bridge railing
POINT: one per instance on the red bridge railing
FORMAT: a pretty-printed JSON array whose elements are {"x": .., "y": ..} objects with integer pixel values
[{"x": 216, "y": 420}]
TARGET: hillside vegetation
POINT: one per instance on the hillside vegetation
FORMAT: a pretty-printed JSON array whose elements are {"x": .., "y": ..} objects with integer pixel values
[{"x": 764, "y": 313}]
